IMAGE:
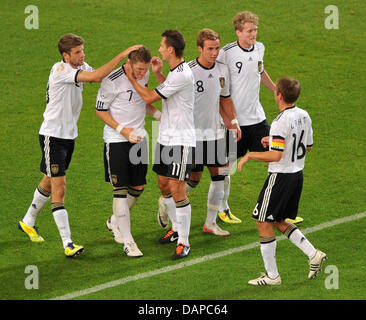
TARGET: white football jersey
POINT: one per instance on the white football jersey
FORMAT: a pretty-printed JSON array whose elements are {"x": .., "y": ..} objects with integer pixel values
[
  {"x": 64, "y": 101},
  {"x": 177, "y": 122},
  {"x": 210, "y": 85},
  {"x": 245, "y": 67},
  {"x": 291, "y": 133},
  {"x": 117, "y": 95}
]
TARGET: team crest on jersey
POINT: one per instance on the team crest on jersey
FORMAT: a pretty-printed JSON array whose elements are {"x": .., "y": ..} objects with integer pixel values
[
  {"x": 54, "y": 168},
  {"x": 222, "y": 82},
  {"x": 260, "y": 66},
  {"x": 114, "y": 179}
]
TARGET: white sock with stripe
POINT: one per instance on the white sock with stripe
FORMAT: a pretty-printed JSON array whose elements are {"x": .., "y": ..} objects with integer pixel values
[
  {"x": 224, "y": 203},
  {"x": 40, "y": 199},
  {"x": 214, "y": 199},
  {"x": 268, "y": 250},
  {"x": 62, "y": 221},
  {"x": 121, "y": 213},
  {"x": 183, "y": 212},
  {"x": 299, "y": 240}
]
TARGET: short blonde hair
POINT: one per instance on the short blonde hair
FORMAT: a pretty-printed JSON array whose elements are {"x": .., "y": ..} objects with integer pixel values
[
  {"x": 242, "y": 17},
  {"x": 206, "y": 34}
]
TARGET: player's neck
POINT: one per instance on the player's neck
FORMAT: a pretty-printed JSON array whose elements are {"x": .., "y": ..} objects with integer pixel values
[
  {"x": 204, "y": 63},
  {"x": 284, "y": 106},
  {"x": 174, "y": 62}
]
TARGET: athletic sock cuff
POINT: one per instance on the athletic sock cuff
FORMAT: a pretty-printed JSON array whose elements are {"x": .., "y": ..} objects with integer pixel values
[
  {"x": 43, "y": 191},
  {"x": 182, "y": 203},
  {"x": 120, "y": 192},
  {"x": 57, "y": 206},
  {"x": 134, "y": 192},
  {"x": 265, "y": 240},
  {"x": 290, "y": 229},
  {"x": 193, "y": 183}
]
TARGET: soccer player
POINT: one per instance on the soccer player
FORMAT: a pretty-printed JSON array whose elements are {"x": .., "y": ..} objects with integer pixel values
[
  {"x": 125, "y": 147},
  {"x": 58, "y": 133},
  {"x": 176, "y": 140},
  {"x": 212, "y": 96},
  {"x": 291, "y": 136},
  {"x": 244, "y": 59}
]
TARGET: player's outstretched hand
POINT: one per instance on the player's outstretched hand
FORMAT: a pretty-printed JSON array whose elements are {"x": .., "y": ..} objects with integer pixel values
[
  {"x": 265, "y": 142},
  {"x": 243, "y": 160},
  {"x": 156, "y": 64},
  {"x": 128, "y": 69},
  {"x": 132, "y": 48}
]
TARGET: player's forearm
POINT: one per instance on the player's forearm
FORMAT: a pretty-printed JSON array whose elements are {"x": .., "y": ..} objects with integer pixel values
[
  {"x": 227, "y": 110},
  {"x": 107, "y": 118},
  {"x": 148, "y": 95},
  {"x": 267, "y": 156},
  {"x": 160, "y": 77},
  {"x": 267, "y": 81},
  {"x": 154, "y": 112}
]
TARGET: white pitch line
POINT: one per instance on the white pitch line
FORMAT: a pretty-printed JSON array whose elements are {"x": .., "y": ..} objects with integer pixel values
[{"x": 192, "y": 262}]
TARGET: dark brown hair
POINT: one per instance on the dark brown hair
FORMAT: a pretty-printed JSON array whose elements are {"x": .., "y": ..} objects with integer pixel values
[
  {"x": 173, "y": 38},
  {"x": 289, "y": 88},
  {"x": 69, "y": 41}
]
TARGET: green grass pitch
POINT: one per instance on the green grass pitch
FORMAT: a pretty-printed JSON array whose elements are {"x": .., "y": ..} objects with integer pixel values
[{"x": 327, "y": 62}]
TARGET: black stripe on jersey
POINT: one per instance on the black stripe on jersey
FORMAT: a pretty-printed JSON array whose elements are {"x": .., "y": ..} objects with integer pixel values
[
  {"x": 276, "y": 149},
  {"x": 100, "y": 106},
  {"x": 160, "y": 94},
  {"x": 230, "y": 45},
  {"x": 192, "y": 63},
  {"x": 116, "y": 74},
  {"x": 278, "y": 137},
  {"x": 278, "y": 117},
  {"x": 76, "y": 76},
  {"x": 179, "y": 66},
  {"x": 225, "y": 96}
]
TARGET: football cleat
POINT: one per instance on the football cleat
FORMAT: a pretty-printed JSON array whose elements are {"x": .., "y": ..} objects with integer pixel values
[
  {"x": 73, "y": 250},
  {"x": 296, "y": 220},
  {"x": 132, "y": 250},
  {"x": 316, "y": 263},
  {"x": 264, "y": 280},
  {"x": 163, "y": 218},
  {"x": 181, "y": 251},
  {"x": 170, "y": 237},
  {"x": 117, "y": 235},
  {"x": 228, "y": 217},
  {"x": 32, "y": 232},
  {"x": 216, "y": 230}
]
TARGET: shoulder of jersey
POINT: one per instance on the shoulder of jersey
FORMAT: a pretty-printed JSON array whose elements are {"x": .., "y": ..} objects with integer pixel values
[
  {"x": 192, "y": 63},
  {"x": 259, "y": 44},
  {"x": 230, "y": 46},
  {"x": 115, "y": 74},
  {"x": 59, "y": 67}
]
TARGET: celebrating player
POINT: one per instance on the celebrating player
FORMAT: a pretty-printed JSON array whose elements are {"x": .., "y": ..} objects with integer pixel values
[
  {"x": 212, "y": 96},
  {"x": 244, "y": 59},
  {"x": 177, "y": 140},
  {"x": 125, "y": 148},
  {"x": 58, "y": 132},
  {"x": 291, "y": 136}
]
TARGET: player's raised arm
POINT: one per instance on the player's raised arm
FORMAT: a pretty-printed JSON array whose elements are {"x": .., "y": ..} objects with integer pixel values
[
  {"x": 157, "y": 65},
  {"x": 98, "y": 74}
]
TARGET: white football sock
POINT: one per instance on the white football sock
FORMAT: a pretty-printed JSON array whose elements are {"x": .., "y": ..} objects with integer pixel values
[
  {"x": 62, "y": 221},
  {"x": 121, "y": 215},
  {"x": 268, "y": 250},
  {"x": 183, "y": 212},
  {"x": 299, "y": 240},
  {"x": 38, "y": 202},
  {"x": 225, "y": 205},
  {"x": 171, "y": 211},
  {"x": 214, "y": 199}
]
